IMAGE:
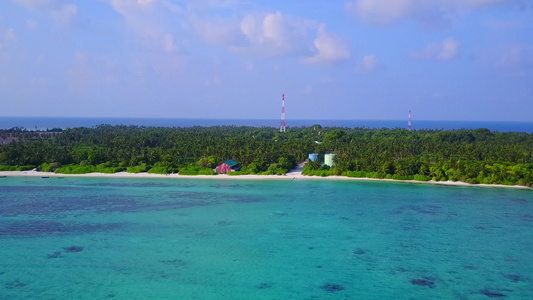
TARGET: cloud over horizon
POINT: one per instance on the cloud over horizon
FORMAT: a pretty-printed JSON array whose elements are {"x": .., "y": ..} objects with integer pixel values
[
  {"x": 370, "y": 62},
  {"x": 189, "y": 58},
  {"x": 61, "y": 11},
  {"x": 444, "y": 50},
  {"x": 329, "y": 48},
  {"x": 433, "y": 13}
]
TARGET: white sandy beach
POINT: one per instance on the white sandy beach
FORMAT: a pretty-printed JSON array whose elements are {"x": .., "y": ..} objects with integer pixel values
[{"x": 295, "y": 174}]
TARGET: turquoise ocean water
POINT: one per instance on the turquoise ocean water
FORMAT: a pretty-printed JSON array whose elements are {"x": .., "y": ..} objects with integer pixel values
[{"x": 101, "y": 238}]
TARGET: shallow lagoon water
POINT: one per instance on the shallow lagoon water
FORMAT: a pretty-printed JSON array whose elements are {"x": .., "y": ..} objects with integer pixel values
[{"x": 103, "y": 238}]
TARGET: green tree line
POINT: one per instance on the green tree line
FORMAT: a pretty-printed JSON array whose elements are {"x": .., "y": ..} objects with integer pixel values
[
  {"x": 167, "y": 150},
  {"x": 474, "y": 156}
]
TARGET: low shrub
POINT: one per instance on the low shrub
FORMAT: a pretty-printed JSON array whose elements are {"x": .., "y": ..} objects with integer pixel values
[
  {"x": 192, "y": 169},
  {"x": 419, "y": 177},
  {"x": 137, "y": 169},
  {"x": 75, "y": 169},
  {"x": 8, "y": 168}
]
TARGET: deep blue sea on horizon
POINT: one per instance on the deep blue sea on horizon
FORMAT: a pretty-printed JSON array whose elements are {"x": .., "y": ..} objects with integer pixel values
[
  {"x": 162, "y": 238},
  {"x": 65, "y": 122}
]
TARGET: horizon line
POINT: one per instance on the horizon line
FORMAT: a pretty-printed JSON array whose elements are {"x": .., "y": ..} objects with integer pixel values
[{"x": 256, "y": 119}]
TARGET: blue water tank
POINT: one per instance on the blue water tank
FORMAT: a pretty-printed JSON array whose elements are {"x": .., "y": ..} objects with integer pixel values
[{"x": 313, "y": 156}]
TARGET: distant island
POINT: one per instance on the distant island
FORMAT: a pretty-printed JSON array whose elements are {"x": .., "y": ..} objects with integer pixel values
[{"x": 470, "y": 156}]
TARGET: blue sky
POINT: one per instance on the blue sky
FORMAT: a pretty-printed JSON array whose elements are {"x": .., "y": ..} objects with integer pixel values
[{"x": 351, "y": 59}]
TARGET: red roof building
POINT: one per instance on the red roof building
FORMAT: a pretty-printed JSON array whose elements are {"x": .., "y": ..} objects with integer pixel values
[
  {"x": 228, "y": 166},
  {"x": 223, "y": 168}
]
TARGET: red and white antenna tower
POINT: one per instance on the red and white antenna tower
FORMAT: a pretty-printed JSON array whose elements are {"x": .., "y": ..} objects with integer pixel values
[
  {"x": 409, "y": 123},
  {"x": 282, "y": 126}
]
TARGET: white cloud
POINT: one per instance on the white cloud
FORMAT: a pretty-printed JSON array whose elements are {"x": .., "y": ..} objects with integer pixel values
[
  {"x": 259, "y": 35},
  {"x": 4, "y": 80},
  {"x": 327, "y": 80},
  {"x": 81, "y": 57},
  {"x": 501, "y": 26},
  {"x": 144, "y": 3},
  {"x": 223, "y": 3},
  {"x": 65, "y": 14},
  {"x": 168, "y": 66},
  {"x": 273, "y": 28},
  {"x": 254, "y": 34},
  {"x": 142, "y": 23},
  {"x": 448, "y": 49},
  {"x": 36, "y": 4},
  {"x": 218, "y": 32},
  {"x": 270, "y": 35},
  {"x": 9, "y": 35},
  {"x": 482, "y": 3},
  {"x": 147, "y": 18},
  {"x": 249, "y": 66},
  {"x": 428, "y": 12},
  {"x": 109, "y": 79},
  {"x": 510, "y": 58},
  {"x": 445, "y": 50},
  {"x": 168, "y": 43},
  {"x": 172, "y": 7},
  {"x": 308, "y": 90},
  {"x": 215, "y": 82},
  {"x": 6, "y": 37},
  {"x": 273, "y": 35},
  {"x": 328, "y": 47},
  {"x": 38, "y": 81},
  {"x": 381, "y": 11},
  {"x": 370, "y": 62},
  {"x": 61, "y": 11},
  {"x": 32, "y": 24},
  {"x": 515, "y": 57},
  {"x": 80, "y": 74}
]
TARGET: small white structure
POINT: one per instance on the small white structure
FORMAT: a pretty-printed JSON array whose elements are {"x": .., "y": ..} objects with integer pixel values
[{"x": 329, "y": 159}]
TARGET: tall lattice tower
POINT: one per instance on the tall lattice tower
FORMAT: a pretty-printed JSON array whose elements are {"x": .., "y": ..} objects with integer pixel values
[
  {"x": 282, "y": 126},
  {"x": 409, "y": 122}
]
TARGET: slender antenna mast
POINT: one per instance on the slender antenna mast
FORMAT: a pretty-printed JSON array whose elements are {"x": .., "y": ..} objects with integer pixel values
[
  {"x": 282, "y": 126},
  {"x": 409, "y": 123}
]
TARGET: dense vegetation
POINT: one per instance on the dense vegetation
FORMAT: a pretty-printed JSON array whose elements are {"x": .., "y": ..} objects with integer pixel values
[
  {"x": 193, "y": 150},
  {"x": 474, "y": 156}
]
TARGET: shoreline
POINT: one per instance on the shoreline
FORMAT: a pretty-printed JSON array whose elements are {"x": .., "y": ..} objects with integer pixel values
[{"x": 288, "y": 176}]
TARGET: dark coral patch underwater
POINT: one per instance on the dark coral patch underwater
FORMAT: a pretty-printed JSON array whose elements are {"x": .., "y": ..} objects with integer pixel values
[
  {"x": 331, "y": 287},
  {"x": 37, "y": 228},
  {"x": 359, "y": 251},
  {"x": 263, "y": 285},
  {"x": 45, "y": 205},
  {"x": 14, "y": 284},
  {"x": 56, "y": 254},
  {"x": 427, "y": 209},
  {"x": 491, "y": 294},
  {"x": 53, "y": 205},
  {"x": 516, "y": 278},
  {"x": 423, "y": 282},
  {"x": 135, "y": 185},
  {"x": 73, "y": 249},
  {"x": 244, "y": 199}
]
